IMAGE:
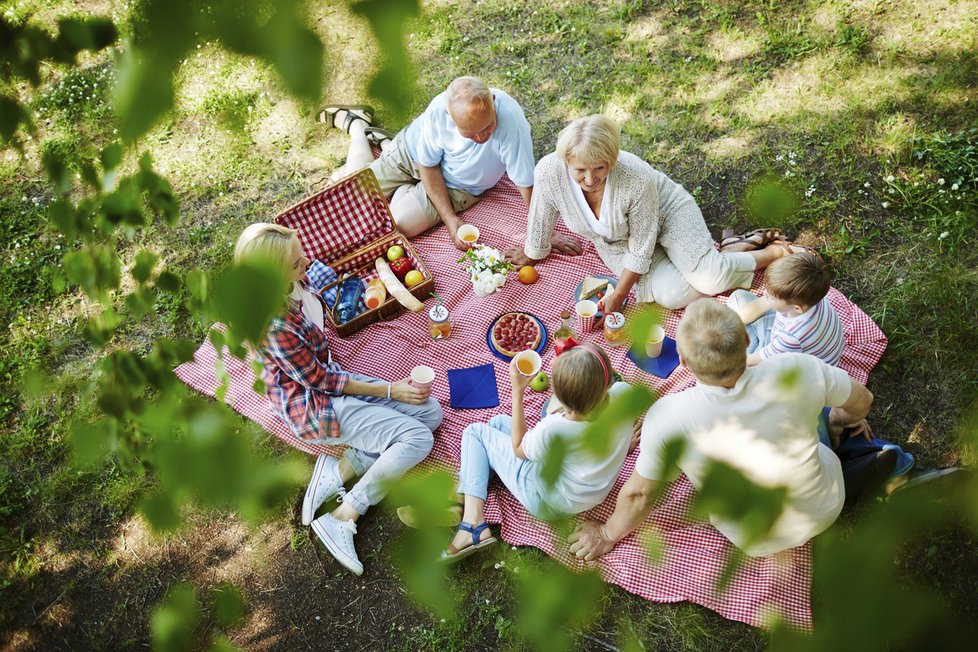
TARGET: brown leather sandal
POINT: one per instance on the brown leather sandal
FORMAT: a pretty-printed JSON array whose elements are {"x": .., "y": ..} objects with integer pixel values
[
  {"x": 756, "y": 239},
  {"x": 353, "y": 112}
]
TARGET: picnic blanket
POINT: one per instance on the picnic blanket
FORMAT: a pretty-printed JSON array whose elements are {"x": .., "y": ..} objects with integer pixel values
[{"x": 693, "y": 552}]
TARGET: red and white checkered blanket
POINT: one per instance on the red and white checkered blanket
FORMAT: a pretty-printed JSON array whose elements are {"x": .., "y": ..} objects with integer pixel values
[{"x": 693, "y": 552}]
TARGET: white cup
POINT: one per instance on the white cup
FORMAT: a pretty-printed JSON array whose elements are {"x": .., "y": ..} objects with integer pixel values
[
  {"x": 528, "y": 362},
  {"x": 422, "y": 376},
  {"x": 653, "y": 346},
  {"x": 468, "y": 234}
]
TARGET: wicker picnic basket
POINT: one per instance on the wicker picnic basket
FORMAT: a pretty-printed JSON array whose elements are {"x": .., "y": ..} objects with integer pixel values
[{"x": 348, "y": 226}]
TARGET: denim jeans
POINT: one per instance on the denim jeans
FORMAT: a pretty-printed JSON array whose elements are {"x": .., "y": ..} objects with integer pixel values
[
  {"x": 759, "y": 330},
  {"x": 387, "y": 438},
  {"x": 488, "y": 447}
]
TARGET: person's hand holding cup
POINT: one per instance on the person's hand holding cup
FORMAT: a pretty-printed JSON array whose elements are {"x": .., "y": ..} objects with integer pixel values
[{"x": 523, "y": 369}]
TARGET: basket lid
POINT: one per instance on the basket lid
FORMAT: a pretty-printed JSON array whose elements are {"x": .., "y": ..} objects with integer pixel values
[{"x": 346, "y": 215}]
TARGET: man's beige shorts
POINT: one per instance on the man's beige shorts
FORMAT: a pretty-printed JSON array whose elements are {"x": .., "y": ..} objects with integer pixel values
[{"x": 395, "y": 168}]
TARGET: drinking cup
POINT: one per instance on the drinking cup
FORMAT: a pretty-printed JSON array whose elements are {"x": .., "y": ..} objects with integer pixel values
[
  {"x": 528, "y": 363},
  {"x": 422, "y": 376},
  {"x": 653, "y": 346},
  {"x": 468, "y": 234},
  {"x": 586, "y": 310}
]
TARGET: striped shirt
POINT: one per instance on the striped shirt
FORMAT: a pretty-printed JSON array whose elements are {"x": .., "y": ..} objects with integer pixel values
[{"x": 817, "y": 332}]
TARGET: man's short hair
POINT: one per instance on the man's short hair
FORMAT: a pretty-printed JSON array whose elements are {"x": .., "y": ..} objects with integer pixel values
[
  {"x": 799, "y": 279},
  {"x": 468, "y": 94},
  {"x": 712, "y": 341},
  {"x": 590, "y": 140}
]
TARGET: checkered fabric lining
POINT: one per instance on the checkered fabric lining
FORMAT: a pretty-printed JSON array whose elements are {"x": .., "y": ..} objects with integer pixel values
[
  {"x": 343, "y": 217},
  {"x": 693, "y": 552}
]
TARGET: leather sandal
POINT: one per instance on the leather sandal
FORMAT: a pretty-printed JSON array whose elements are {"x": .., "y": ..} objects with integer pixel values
[
  {"x": 453, "y": 554},
  {"x": 353, "y": 112},
  {"x": 377, "y": 135}
]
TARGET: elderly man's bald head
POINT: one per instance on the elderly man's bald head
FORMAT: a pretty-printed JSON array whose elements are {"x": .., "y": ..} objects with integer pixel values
[{"x": 470, "y": 104}]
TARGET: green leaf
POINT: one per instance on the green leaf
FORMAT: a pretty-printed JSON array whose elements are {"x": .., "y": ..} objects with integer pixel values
[
  {"x": 143, "y": 92},
  {"x": 248, "y": 296},
  {"x": 728, "y": 494},
  {"x": 553, "y": 461},
  {"x": 172, "y": 624},
  {"x": 393, "y": 82},
  {"x": 143, "y": 267},
  {"x": 91, "y": 442},
  {"x": 12, "y": 115},
  {"x": 140, "y": 302},
  {"x": 161, "y": 512},
  {"x": 111, "y": 156},
  {"x": 168, "y": 282},
  {"x": 58, "y": 172},
  {"x": 553, "y": 601},
  {"x": 295, "y": 51},
  {"x": 86, "y": 33},
  {"x": 229, "y": 605}
]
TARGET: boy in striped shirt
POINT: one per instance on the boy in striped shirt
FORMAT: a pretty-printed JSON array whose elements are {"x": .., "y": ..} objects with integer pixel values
[{"x": 794, "y": 314}]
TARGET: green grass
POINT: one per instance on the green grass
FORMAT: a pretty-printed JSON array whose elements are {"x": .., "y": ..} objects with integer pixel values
[{"x": 857, "y": 109}]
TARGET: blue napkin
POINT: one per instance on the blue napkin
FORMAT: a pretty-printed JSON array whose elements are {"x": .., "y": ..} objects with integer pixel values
[
  {"x": 662, "y": 366},
  {"x": 473, "y": 388}
]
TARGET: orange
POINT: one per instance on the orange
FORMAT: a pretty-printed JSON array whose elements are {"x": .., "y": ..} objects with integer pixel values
[{"x": 528, "y": 274}]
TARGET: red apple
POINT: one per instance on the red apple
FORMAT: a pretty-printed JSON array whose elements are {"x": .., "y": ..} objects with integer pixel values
[{"x": 401, "y": 267}]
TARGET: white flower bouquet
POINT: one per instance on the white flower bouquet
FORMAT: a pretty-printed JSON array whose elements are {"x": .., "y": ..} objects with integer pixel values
[{"x": 486, "y": 268}]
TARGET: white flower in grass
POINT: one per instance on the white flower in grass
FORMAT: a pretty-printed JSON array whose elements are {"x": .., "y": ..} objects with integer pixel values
[
  {"x": 954, "y": 186},
  {"x": 890, "y": 179},
  {"x": 940, "y": 182},
  {"x": 866, "y": 185},
  {"x": 885, "y": 204},
  {"x": 943, "y": 235}
]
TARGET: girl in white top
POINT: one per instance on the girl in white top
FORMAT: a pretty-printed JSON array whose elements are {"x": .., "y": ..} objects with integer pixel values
[
  {"x": 582, "y": 382},
  {"x": 645, "y": 227}
]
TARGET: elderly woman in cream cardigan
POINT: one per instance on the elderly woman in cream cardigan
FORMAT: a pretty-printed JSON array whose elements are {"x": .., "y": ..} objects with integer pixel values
[{"x": 645, "y": 227}]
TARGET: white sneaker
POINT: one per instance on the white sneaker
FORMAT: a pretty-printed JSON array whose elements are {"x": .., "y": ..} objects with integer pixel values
[
  {"x": 325, "y": 483},
  {"x": 337, "y": 536}
]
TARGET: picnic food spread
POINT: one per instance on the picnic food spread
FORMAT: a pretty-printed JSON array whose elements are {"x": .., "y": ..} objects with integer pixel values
[
  {"x": 595, "y": 288},
  {"x": 396, "y": 288},
  {"x": 514, "y": 332}
]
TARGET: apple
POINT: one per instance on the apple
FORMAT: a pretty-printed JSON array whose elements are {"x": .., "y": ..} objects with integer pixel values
[
  {"x": 401, "y": 266},
  {"x": 412, "y": 278},
  {"x": 395, "y": 252},
  {"x": 540, "y": 382}
]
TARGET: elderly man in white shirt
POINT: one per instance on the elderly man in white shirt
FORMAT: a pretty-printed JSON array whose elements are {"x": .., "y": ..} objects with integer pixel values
[
  {"x": 763, "y": 421},
  {"x": 443, "y": 162}
]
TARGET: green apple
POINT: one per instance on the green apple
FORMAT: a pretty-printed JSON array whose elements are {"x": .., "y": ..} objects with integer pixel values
[
  {"x": 395, "y": 252},
  {"x": 540, "y": 382},
  {"x": 412, "y": 278}
]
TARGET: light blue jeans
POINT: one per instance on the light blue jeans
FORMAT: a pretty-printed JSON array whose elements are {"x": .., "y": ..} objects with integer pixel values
[
  {"x": 759, "y": 330},
  {"x": 386, "y": 438},
  {"x": 488, "y": 447}
]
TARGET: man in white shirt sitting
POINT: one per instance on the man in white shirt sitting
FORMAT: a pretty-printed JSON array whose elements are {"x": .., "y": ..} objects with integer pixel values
[
  {"x": 763, "y": 421},
  {"x": 442, "y": 163}
]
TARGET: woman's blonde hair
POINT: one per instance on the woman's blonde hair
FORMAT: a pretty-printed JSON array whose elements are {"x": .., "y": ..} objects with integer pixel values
[
  {"x": 712, "y": 341},
  {"x": 590, "y": 140},
  {"x": 268, "y": 241},
  {"x": 581, "y": 378}
]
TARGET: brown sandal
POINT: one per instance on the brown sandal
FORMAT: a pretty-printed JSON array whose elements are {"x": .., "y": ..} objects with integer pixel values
[{"x": 353, "y": 112}]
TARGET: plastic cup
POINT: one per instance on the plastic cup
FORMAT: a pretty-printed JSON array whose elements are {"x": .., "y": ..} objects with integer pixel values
[
  {"x": 528, "y": 363},
  {"x": 653, "y": 346},
  {"x": 422, "y": 376},
  {"x": 586, "y": 310},
  {"x": 468, "y": 234}
]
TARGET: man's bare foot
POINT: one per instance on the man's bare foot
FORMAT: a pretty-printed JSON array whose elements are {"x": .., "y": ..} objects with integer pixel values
[{"x": 566, "y": 245}]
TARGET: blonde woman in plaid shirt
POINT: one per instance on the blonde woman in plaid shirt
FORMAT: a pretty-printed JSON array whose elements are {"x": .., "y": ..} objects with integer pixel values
[{"x": 387, "y": 425}]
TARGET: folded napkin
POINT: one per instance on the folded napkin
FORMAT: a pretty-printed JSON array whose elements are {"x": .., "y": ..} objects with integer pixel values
[
  {"x": 662, "y": 366},
  {"x": 473, "y": 388}
]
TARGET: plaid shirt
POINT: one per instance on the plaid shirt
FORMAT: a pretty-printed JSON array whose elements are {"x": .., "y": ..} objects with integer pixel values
[{"x": 299, "y": 377}]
